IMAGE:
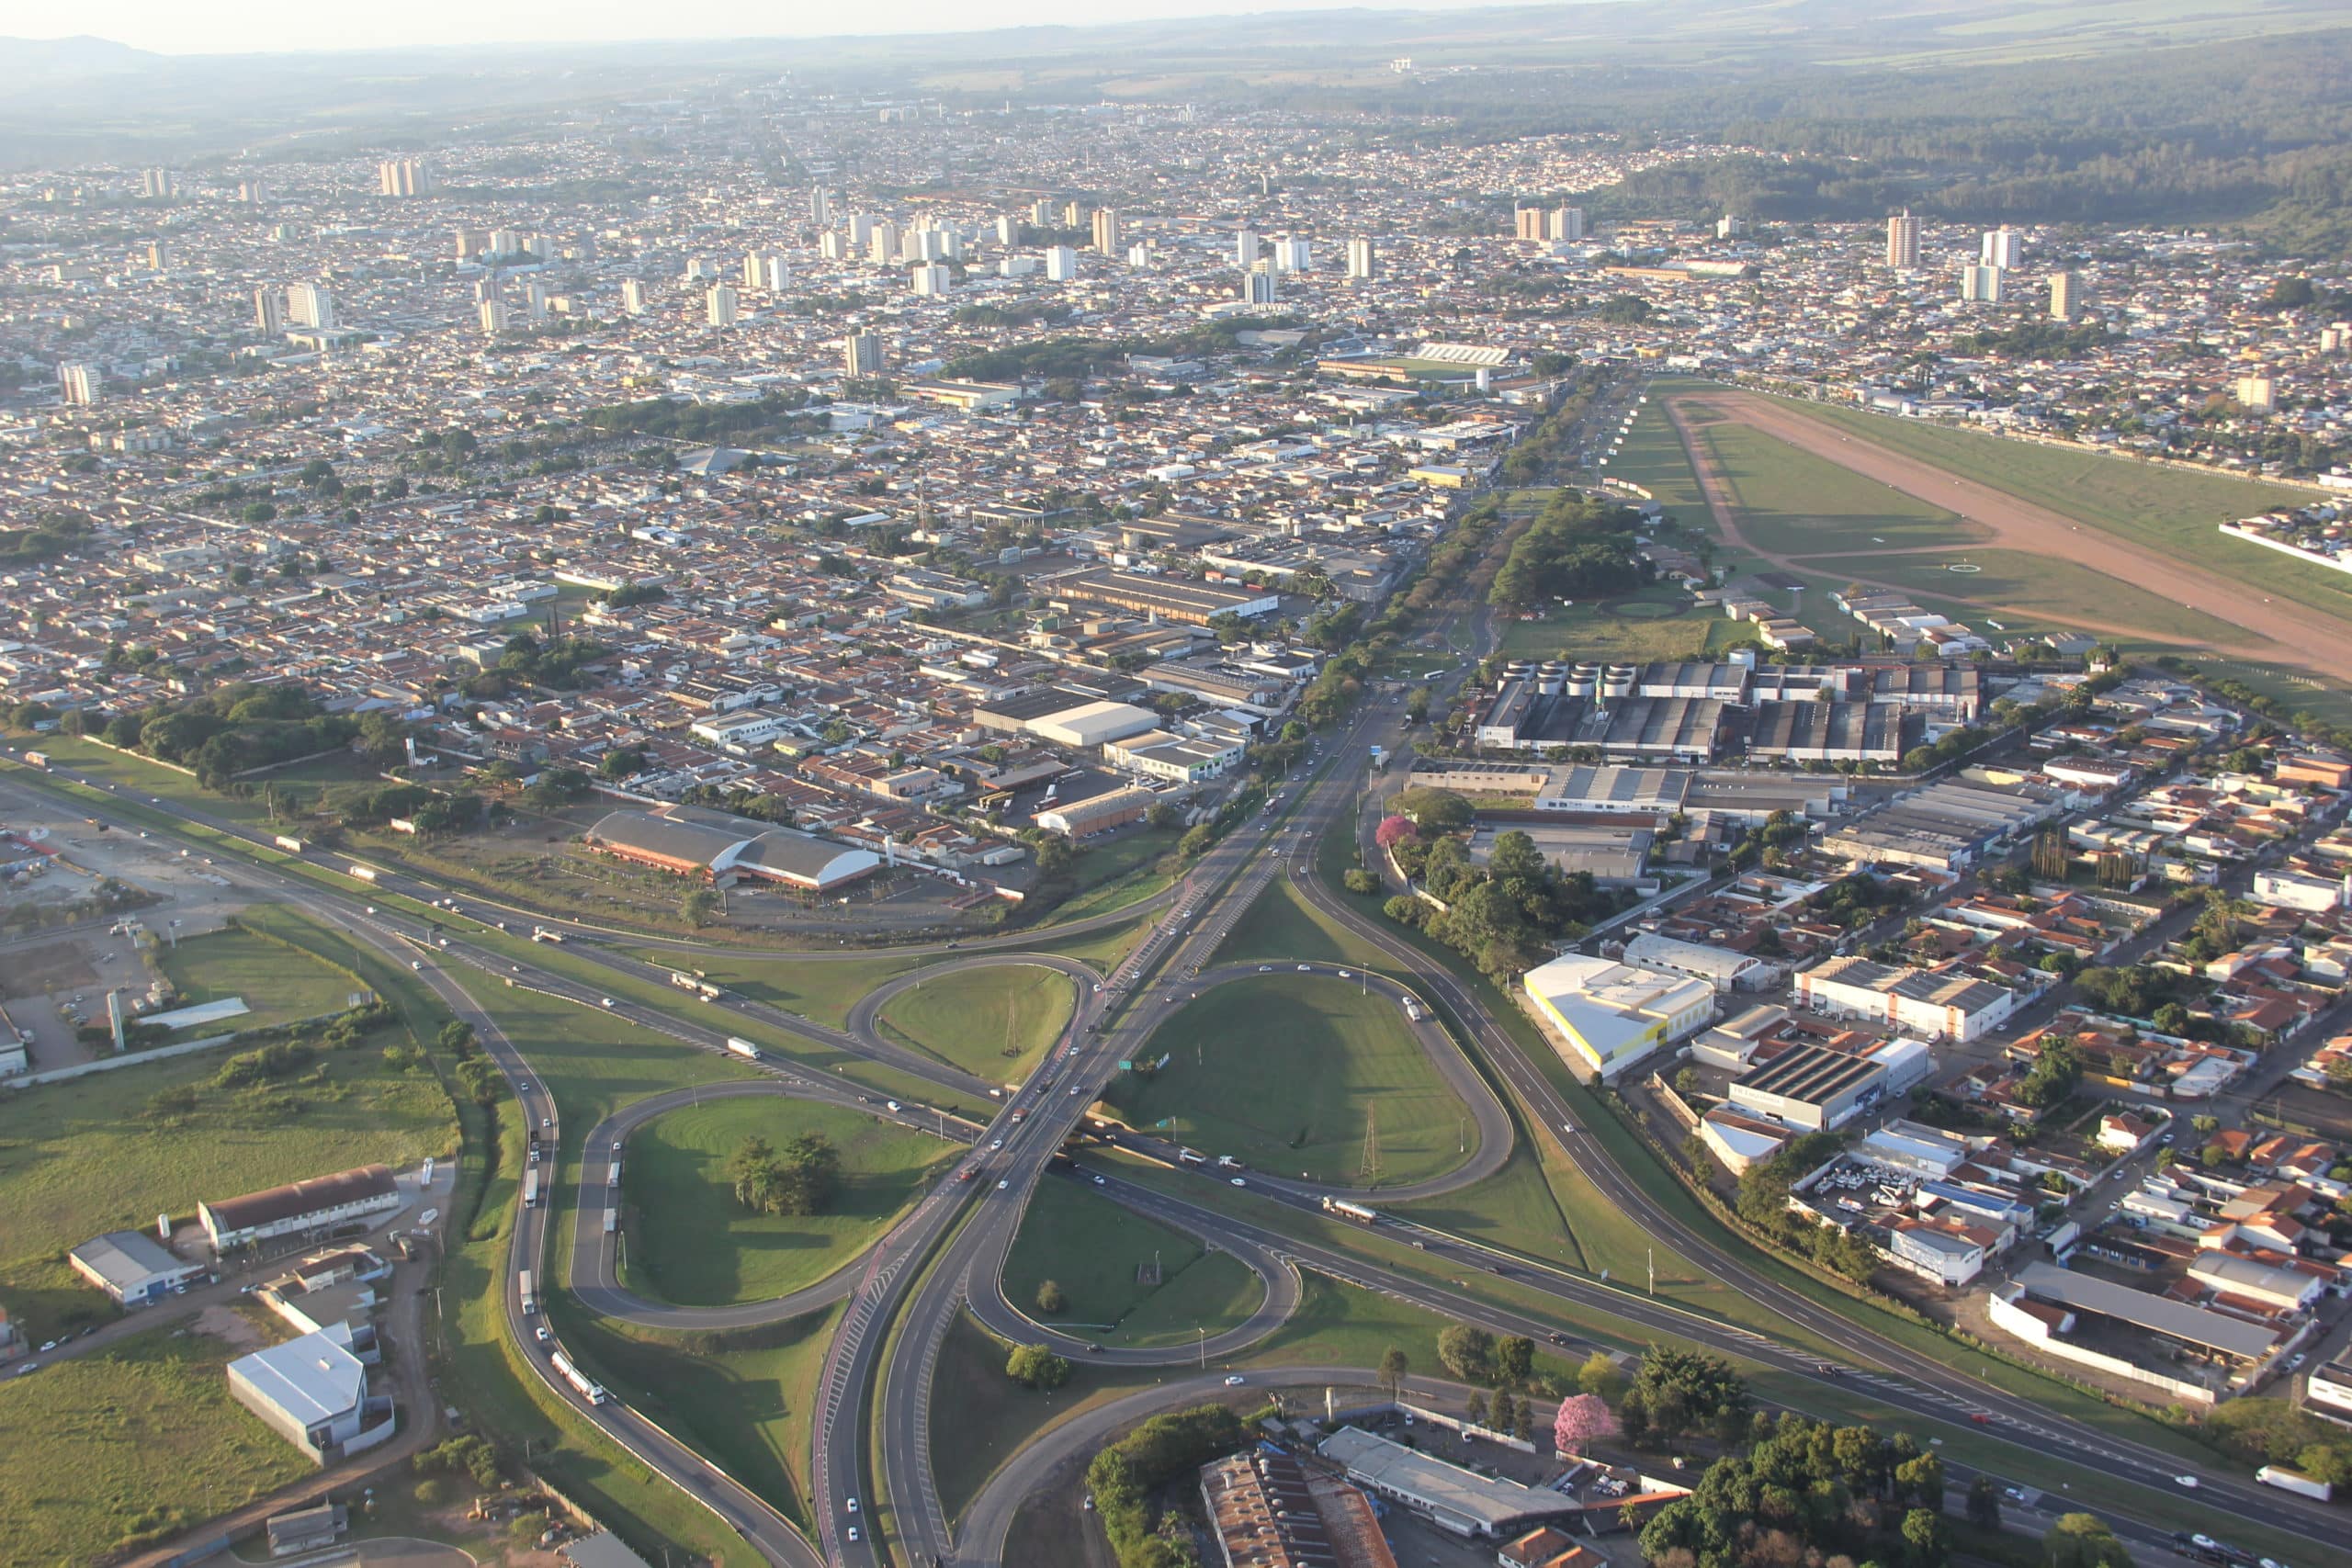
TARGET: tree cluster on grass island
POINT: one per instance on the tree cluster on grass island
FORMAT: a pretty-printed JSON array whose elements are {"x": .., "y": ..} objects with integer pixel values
[
  {"x": 1500, "y": 915},
  {"x": 799, "y": 1178}
]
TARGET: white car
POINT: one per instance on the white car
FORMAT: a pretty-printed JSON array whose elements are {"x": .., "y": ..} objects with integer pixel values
[
  {"x": 853, "y": 1534},
  {"x": 2188, "y": 1480},
  {"x": 604, "y": 1001},
  {"x": 889, "y": 1105},
  {"x": 853, "y": 1505},
  {"x": 1002, "y": 1184},
  {"x": 1306, "y": 968},
  {"x": 1239, "y": 1182},
  {"x": 1235, "y": 1381},
  {"x": 997, "y": 1144},
  {"x": 542, "y": 1336}
]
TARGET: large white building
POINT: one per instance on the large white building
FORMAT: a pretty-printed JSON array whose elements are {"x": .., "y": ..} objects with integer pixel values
[
  {"x": 1719, "y": 966},
  {"x": 1613, "y": 1015},
  {"x": 1914, "y": 1001},
  {"x": 312, "y": 1392},
  {"x": 300, "y": 1208},
  {"x": 1061, "y": 263}
]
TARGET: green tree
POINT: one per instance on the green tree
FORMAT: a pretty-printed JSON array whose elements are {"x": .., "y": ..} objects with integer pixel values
[
  {"x": 2083, "y": 1540},
  {"x": 1394, "y": 1367},
  {"x": 1985, "y": 1503},
  {"x": 1050, "y": 1298},
  {"x": 1927, "y": 1539},
  {"x": 700, "y": 906},
  {"x": 1467, "y": 1352},
  {"x": 1035, "y": 1366},
  {"x": 1598, "y": 1376},
  {"x": 1514, "y": 1358}
]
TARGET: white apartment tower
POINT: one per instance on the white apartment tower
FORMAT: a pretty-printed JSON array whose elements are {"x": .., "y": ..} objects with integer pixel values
[
  {"x": 1061, "y": 264},
  {"x": 1565, "y": 223},
  {"x": 1008, "y": 229},
  {"x": 269, "y": 310},
  {"x": 1245, "y": 249},
  {"x": 1259, "y": 288},
  {"x": 820, "y": 207},
  {"x": 931, "y": 279},
  {"x": 861, "y": 356},
  {"x": 2065, "y": 296},
  {"x": 1106, "y": 231},
  {"x": 2003, "y": 246},
  {"x": 1902, "y": 241},
  {"x": 79, "y": 384},
  {"x": 494, "y": 317},
  {"x": 404, "y": 177},
  {"x": 1981, "y": 284},
  {"x": 1532, "y": 224},
  {"x": 718, "y": 306},
  {"x": 158, "y": 185},
  {"x": 310, "y": 305},
  {"x": 1360, "y": 259},
  {"x": 633, "y": 296},
  {"x": 882, "y": 247}
]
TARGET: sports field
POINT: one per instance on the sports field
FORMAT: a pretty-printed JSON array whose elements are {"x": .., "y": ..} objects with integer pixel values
[
  {"x": 993, "y": 1022},
  {"x": 1284, "y": 1071},
  {"x": 690, "y": 1241},
  {"x": 1091, "y": 1246}
]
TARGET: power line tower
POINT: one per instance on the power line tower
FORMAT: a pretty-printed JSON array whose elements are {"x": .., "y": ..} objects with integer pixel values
[{"x": 1368, "y": 1173}]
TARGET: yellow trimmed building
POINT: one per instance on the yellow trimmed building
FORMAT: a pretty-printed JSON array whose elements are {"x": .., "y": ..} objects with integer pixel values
[{"x": 1612, "y": 1015}]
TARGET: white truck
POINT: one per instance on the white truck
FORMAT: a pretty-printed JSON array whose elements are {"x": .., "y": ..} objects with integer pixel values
[
  {"x": 2295, "y": 1481},
  {"x": 531, "y": 1297},
  {"x": 531, "y": 1188},
  {"x": 744, "y": 1048},
  {"x": 363, "y": 873},
  {"x": 590, "y": 1389}
]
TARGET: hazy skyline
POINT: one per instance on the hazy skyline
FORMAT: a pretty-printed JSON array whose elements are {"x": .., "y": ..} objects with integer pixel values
[{"x": 243, "y": 27}]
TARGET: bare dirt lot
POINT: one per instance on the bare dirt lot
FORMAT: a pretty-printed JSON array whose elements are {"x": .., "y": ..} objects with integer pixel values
[{"x": 2277, "y": 632}]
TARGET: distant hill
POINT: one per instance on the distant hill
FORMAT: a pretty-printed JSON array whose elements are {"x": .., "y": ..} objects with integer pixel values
[{"x": 68, "y": 58}]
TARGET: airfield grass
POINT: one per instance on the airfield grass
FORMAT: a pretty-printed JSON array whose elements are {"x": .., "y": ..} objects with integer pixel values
[
  {"x": 1281, "y": 1071},
  {"x": 1793, "y": 504},
  {"x": 111, "y": 1150},
  {"x": 993, "y": 1022},
  {"x": 277, "y": 986},
  {"x": 2174, "y": 510},
  {"x": 108, "y": 1451},
  {"x": 689, "y": 1242},
  {"x": 2044, "y": 593},
  {"x": 746, "y": 1399},
  {"x": 1091, "y": 1246}
]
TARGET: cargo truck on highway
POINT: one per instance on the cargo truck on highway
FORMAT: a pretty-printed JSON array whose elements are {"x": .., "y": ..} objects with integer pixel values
[
  {"x": 288, "y": 841},
  {"x": 744, "y": 1048},
  {"x": 2295, "y": 1481},
  {"x": 1348, "y": 1210},
  {"x": 530, "y": 1298},
  {"x": 592, "y": 1391},
  {"x": 37, "y": 759},
  {"x": 364, "y": 873},
  {"x": 531, "y": 1188}
]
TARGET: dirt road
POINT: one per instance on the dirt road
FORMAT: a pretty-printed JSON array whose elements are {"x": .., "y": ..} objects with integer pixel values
[{"x": 2277, "y": 633}]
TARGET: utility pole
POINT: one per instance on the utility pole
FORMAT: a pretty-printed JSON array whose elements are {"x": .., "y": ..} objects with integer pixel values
[
  {"x": 1204, "y": 1333},
  {"x": 1653, "y": 1255}
]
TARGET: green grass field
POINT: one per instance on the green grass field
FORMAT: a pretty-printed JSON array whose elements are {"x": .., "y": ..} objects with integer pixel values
[
  {"x": 1114, "y": 875},
  {"x": 1282, "y": 1070},
  {"x": 108, "y": 1451},
  {"x": 113, "y": 1150},
  {"x": 2039, "y": 593},
  {"x": 747, "y": 1399},
  {"x": 993, "y": 1022},
  {"x": 1091, "y": 1247},
  {"x": 690, "y": 1241},
  {"x": 1281, "y": 925},
  {"x": 279, "y": 985},
  {"x": 1793, "y": 504},
  {"x": 1663, "y": 623},
  {"x": 1653, "y": 458}
]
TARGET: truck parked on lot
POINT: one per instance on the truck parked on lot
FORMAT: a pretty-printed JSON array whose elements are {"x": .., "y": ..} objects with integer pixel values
[
  {"x": 590, "y": 1389},
  {"x": 744, "y": 1049},
  {"x": 2295, "y": 1481}
]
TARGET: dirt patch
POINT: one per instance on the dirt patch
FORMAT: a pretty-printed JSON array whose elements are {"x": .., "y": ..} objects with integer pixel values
[
  {"x": 52, "y": 966},
  {"x": 232, "y": 1328},
  {"x": 2275, "y": 632}
]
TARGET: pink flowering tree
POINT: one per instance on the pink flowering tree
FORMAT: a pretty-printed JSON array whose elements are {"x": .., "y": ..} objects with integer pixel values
[
  {"x": 1392, "y": 831},
  {"x": 1583, "y": 1418}
]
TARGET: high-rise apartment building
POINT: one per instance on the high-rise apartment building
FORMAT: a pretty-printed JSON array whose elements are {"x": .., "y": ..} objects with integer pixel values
[
  {"x": 1061, "y": 263},
  {"x": 159, "y": 256},
  {"x": 861, "y": 356},
  {"x": 1246, "y": 245},
  {"x": 1074, "y": 215},
  {"x": 1360, "y": 257},
  {"x": 2065, "y": 296},
  {"x": 470, "y": 243},
  {"x": 1902, "y": 241},
  {"x": 1565, "y": 223},
  {"x": 861, "y": 231},
  {"x": 820, "y": 207},
  {"x": 404, "y": 177},
  {"x": 269, "y": 310},
  {"x": 1981, "y": 284},
  {"x": 158, "y": 185},
  {"x": 1041, "y": 213},
  {"x": 883, "y": 248},
  {"x": 1293, "y": 255},
  {"x": 931, "y": 278},
  {"x": 535, "y": 297},
  {"x": 779, "y": 274},
  {"x": 1008, "y": 229},
  {"x": 718, "y": 306},
  {"x": 494, "y": 317},
  {"x": 834, "y": 245},
  {"x": 78, "y": 384},
  {"x": 633, "y": 296},
  {"x": 1533, "y": 223},
  {"x": 1106, "y": 231},
  {"x": 2003, "y": 246},
  {"x": 310, "y": 305},
  {"x": 2255, "y": 394},
  {"x": 1259, "y": 288}
]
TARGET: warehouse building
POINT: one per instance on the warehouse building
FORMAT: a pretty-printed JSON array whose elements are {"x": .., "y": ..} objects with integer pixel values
[
  {"x": 1719, "y": 966},
  {"x": 1613, "y": 1015},
  {"x": 1166, "y": 598},
  {"x": 1096, "y": 813},
  {"x": 312, "y": 1392},
  {"x": 134, "y": 1268},
  {"x": 725, "y": 850},
  {"x": 1180, "y": 758},
  {"x": 1812, "y": 1088},
  {"x": 1945, "y": 827},
  {"x": 1458, "y": 1500},
  {"x": 300, "y": 1208},
  {"x": 1818, "y": 733},
  {"x": 1067, "y": 717},
  {"x": 1916, "y": 1001}
]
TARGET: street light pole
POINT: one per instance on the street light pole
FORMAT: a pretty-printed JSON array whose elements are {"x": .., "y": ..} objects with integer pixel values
[{"x": 1204, "y": 1333}]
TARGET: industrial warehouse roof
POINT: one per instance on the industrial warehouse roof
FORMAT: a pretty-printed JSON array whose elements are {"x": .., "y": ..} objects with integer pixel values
[
  {"x": 688, "y": 843},
  {"x": 1428, "y": 1483},
  {"x": 298, "y": 1197},
  {"x": 2161, "y": 1314},
  {"x": 1811, "y": 1075},
  {"x": 312, "y": 1379},
  {"x": 686, "y": 837},
  {"x": 126, "y": 1259}
]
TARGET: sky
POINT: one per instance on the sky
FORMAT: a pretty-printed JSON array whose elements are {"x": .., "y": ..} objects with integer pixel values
[{"x": 244, "y": 26}]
